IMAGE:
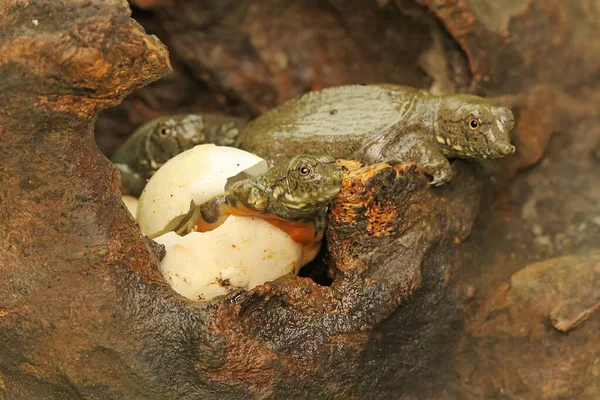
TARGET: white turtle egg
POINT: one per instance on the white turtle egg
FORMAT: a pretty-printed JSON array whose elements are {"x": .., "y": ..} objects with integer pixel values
[
  {"x": 241, "y": 253},
  {"x": 194, "y": 175}
]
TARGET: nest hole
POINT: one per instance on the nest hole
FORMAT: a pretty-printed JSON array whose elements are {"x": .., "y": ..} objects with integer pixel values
[{"x": 318, "y": 269}]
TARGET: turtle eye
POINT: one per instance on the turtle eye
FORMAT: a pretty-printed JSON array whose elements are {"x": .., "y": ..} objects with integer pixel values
[
  {"x": 165, "y": 131},
  {"x": 304, "y": 170},
  {"x": 473, "y": 124}
]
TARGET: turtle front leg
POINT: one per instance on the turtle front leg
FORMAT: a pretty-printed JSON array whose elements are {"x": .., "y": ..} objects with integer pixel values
[
  {"x": 412, "y": 147},
  {"x": 241, "y": 199},
  {"x": 223, "y": 130},
  {"x": 212, "y": 214},
  {"x": 203, "y": 218}
]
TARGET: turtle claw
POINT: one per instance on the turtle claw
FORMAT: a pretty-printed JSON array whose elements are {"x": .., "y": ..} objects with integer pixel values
[
  {"x": 436, "y": 182},
  {"x": 188, "y": 222},
  {"x": 441, "y": 176}
]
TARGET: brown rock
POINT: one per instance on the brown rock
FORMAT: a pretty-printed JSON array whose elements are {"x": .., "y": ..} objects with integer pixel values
[
  {"x": 514, "y": 342},
  {"x": 84, "y": 310},
  {"x": 514, "y": 45},
  {"x": 570, "y": 313},
  {"x": 85, "y": 313}
]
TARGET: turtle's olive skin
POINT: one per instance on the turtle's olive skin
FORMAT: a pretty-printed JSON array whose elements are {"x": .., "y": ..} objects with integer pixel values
[
  {"x": 293, "y": 195},
  {"x": 161, "y": 139},
  {"x": 383, "y": 123}
]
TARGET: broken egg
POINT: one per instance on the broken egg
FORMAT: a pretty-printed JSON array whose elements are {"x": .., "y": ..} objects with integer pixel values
[
  {"x": 240, "y": 254},
  {"x": 194, "y": 175}
]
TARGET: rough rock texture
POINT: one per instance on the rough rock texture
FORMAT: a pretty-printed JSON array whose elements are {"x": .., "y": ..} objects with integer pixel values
[
  {"x": 84, "y": 312},
  {"x": 386, "y": 235},
  {"x": 506, "y": 49},
  {"x": 526, "y": 319}
]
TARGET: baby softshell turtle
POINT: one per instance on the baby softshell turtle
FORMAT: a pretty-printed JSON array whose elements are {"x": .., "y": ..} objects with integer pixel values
[
  {"x": 383, "y": 123},
  {"x": 159, "y": 140},
  {"x": 293, "y": 195}
]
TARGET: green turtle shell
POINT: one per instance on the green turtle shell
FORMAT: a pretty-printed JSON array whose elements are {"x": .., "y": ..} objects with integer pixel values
[{"x": 334, "y": 121}]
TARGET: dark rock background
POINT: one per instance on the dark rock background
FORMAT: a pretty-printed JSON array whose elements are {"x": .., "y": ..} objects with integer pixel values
[{"x": 484, "y": 288}]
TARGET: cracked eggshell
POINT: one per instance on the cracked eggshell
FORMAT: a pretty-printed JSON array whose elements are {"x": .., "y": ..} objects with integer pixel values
[
  {"x": 194, "y": 175},
  {"x": 242, "y": 253}
]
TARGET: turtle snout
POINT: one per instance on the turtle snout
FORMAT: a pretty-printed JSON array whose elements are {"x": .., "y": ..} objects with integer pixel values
[
  {"x": 334, "y": 184},
  {"x": 500, "y": 133},
  {"x": 509, "y": 149},
  {"x": 501, "y": 149},
  {"x": 338, "y": 175}
]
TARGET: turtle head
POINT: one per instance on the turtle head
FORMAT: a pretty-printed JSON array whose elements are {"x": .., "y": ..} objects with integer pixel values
[
  {"x": 310, "y": 184},
  {"x": 170, "y": 136},
  {"x": 471, "y": 126}
]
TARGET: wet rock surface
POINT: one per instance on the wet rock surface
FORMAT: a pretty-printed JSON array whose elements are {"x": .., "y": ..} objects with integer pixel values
[{"x": 485, "y": 287}]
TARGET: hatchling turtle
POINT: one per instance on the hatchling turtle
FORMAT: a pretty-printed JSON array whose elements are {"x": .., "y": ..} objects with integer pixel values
[
  {"x": 161, "y": 139},
  {"x": 383, "y": 123},
  {"x": 293, "y": 195}
]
